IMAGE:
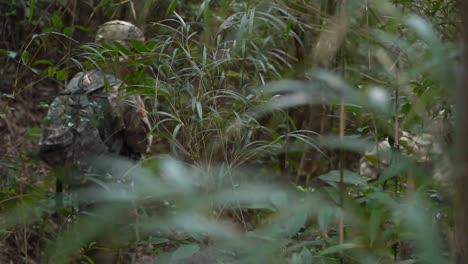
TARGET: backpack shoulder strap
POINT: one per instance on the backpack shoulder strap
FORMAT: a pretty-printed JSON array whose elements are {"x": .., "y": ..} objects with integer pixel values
[{"x": 91, "y": 81}]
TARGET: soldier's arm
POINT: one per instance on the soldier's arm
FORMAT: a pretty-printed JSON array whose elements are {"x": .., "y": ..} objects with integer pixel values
[{"x": 137, "y": 124}]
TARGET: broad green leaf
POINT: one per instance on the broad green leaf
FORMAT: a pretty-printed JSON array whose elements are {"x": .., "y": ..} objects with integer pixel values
[
  {"x": 83, "y": 28},
  {"x": 31, "y": 10},
  {"x": 138, "y": 45},
  {"x": 57, "y": 21},
  {"x": 338, "y": 248},
  {"x": 424, "y": 30},
  {"x": 384, "y": 199},
  {"x": 68, "y": 31},
  {"x": 46, "y": 62},
  {"x": 8, "y": 53},
  {"x": 70, "y": 241},
  {"x": 304, "y": 257},
  {"x": 199, "y": 110},
  {"x": 33, "y": 134},
  {"x": 420, "y": 228},
  {"x": 203, "y": 8},
  {"x": 61, "y": 75},
  {"x": 172, "y": 6},
  {"x": 25, "y": 57},
  {"x": 348, "y": 177},
  {"x": 398, "y": 167},
  {"x": 185, "y": 251},
  {"x": 51, "y": 71}
]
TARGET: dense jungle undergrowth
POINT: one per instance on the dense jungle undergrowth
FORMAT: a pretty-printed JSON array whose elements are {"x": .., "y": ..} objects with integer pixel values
[{"x": 299, "y": 131}]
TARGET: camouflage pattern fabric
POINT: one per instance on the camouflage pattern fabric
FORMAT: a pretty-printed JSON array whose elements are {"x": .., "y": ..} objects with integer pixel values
[
  {"x": 119, "y": 31},
  {"x": 90, "y": 118},
  {"x": 420, "y": 147}
]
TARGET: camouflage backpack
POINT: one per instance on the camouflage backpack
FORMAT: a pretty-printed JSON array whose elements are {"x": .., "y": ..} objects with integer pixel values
[{"x": 81, "y": 121}]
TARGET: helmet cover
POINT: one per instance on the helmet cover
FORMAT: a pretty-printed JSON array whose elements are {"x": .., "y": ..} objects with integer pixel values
[{"x": 119, "y": 31}]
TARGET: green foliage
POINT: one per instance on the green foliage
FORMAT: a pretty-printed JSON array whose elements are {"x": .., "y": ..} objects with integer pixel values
[{"x": 225, "y": 82}]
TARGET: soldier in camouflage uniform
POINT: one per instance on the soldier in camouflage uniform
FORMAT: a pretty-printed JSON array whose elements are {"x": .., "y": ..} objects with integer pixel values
[{"x": 92, "y": 117}]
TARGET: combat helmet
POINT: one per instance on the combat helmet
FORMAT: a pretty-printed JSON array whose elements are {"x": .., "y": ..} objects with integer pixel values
[{"x": 118, "y": 31}]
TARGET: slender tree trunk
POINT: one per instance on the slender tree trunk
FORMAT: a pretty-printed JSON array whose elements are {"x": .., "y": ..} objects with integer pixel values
[{"x": 461, "y": 154}]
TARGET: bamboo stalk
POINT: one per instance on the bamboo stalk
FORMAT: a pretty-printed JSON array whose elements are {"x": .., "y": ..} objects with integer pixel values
[{"x": 342, "y": 187}]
